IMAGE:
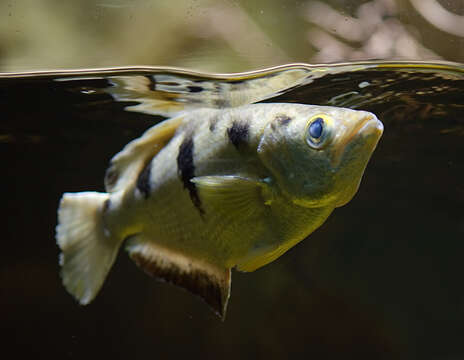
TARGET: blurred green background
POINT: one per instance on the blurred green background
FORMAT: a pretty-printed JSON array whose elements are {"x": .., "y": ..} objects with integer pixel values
[{"x": 224, "y": 35}]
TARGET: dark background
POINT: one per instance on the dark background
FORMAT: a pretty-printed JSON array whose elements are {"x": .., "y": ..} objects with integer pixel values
[{"x": 381, "y": 279}]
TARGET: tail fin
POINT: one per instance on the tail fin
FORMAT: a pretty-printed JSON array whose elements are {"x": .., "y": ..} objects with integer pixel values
[{"x": 87, "y": 250}]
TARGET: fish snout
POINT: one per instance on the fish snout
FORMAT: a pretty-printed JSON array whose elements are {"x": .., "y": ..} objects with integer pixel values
[
  {"x": 370, "y": 125},
  {"x": 365, "y": 132}
]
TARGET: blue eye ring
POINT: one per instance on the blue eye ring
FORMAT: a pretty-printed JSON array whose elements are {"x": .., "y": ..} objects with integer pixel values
[{"x": 317, "y": 131}]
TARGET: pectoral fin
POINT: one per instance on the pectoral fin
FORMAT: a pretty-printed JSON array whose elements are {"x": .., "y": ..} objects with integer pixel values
[
  {"x": 129, "y": 162},
  {"x": 209, "y": 281},
  {"x": 227, "y": 198},
  {"x": 233, "y": 195}
]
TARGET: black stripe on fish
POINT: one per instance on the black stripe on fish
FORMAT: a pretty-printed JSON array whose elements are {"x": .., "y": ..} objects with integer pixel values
[
  {"x": 186, "y": 171},
  {"x": 143, "y": 181},
  {"x": 238, "y": 133}
]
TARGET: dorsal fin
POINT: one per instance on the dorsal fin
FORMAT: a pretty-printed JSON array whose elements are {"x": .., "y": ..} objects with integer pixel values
[
  {"x": 126, "y": 165},
  {"x": 208, "y": 281}
]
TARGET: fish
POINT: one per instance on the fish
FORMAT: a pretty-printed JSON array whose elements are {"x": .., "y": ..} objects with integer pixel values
[{"x": 214, "y": 189}]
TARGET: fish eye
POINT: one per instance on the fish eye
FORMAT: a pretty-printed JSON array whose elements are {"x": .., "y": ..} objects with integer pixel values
[
  {"x": 316, "y": 131},
  {"x": 316, "y": 127}
]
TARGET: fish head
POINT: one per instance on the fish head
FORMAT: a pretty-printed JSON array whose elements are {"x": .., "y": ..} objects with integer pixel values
[{"x": 319, "y": 157}]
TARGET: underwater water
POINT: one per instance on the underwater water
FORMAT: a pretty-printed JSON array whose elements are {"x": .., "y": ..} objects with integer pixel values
[{"x": 381, "y": 278}]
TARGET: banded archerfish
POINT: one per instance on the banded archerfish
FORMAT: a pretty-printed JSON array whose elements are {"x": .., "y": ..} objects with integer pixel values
[{"x": 213, "y": 189}]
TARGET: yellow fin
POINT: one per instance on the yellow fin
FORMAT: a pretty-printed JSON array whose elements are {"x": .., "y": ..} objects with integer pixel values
[
  {"x": 232, "y": 196},
  {"x": 231, "y": 193},
  {"x": 126, "y": 165},
  {"x": 209, "y": 281},
  {"x": 255, "y": 262}
]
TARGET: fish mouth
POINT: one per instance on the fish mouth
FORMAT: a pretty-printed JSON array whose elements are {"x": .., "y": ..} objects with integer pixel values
[
  {"x": 358, "y": 147},
  {"x": 368, "y": 126}
]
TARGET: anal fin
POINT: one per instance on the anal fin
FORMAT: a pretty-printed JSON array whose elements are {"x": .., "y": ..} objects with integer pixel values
[
  {"x": 208, "y": 281},
  {"x": 255, "y": 261}
]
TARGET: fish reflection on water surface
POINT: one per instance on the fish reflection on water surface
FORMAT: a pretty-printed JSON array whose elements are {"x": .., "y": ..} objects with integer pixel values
[{"x": 212, "y": 189}]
